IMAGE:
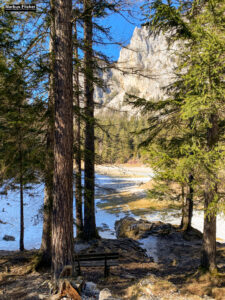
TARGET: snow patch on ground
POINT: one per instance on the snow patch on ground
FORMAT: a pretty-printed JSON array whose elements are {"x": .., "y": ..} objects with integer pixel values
[
  {"x": 10, "y": 213},
  {"x": 150, "y": 245}
]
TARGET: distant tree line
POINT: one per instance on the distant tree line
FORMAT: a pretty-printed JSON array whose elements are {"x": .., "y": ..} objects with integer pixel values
[{"x": 117, "y": 137}]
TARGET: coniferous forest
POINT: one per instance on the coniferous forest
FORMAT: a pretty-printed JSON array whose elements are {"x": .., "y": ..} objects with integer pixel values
[{"x": 123, "y": 195}]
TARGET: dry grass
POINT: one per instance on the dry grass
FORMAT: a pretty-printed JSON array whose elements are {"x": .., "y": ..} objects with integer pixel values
[
  {"x": 136, "y": 203},
  {"x": 206, "y": 284},
  {"x": 194, "y": 288},
  {"x": 152, "y": 204},
  {"x": 218, "y": 293},
  {"x": 162, "y": 288}
]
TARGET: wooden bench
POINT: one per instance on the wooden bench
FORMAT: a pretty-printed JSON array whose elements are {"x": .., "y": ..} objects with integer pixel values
[{"x": 96, "y": 260}]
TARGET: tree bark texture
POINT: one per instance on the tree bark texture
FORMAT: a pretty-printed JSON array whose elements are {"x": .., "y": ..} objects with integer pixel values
[
  {"x": 49, "y": 163},
  {"x": 77, "y": 142},
  {"x": 90, "y": 230},
  {"x": 46, "y": 241},
  {"x": 208, "y": 259},
  {"x": 62, "y": 218},
  {"x": 188, "y": 207},
  {"x": 183, "y": 203}
]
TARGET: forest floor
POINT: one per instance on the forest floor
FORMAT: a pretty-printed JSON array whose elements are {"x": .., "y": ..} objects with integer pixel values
[{"x": 136, "y": 274}]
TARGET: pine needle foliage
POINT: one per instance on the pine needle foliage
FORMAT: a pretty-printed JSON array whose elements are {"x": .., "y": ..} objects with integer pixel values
[{"x": 178, "y": 135}]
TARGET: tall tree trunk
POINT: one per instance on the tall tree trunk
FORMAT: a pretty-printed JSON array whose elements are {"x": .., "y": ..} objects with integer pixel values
[
  {"x": 62, "y": 217},
  {"x": 49, "y": 163},
  {"x": 90, "y": 231},
  {"x": 77, "y": 141},
  {"x": 188, "y": 206},
  {"x": 208, "y": 259}
]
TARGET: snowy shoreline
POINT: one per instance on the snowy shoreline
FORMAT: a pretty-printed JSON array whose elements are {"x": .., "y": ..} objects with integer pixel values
[{"x": 105, "y": 219}]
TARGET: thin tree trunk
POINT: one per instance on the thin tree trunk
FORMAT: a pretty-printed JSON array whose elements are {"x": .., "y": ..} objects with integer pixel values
[
  {"x": 182, "y": 198},
  {"x": 62, "y": 218},
  {"x": 188, "y": 207},
  {"x": 21, "y": 188},
  {"x": 208, "y": 259},
  {"x": 90, "y": 231},
  {"x": 77, "y": 140},
  {"x": 49, "y": 163},
  {"x": 47, "y": 225},
  {"x": 21, "y": 206}
]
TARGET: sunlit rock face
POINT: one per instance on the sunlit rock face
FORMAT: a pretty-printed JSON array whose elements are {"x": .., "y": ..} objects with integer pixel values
[{"x": 144, "y": 68}]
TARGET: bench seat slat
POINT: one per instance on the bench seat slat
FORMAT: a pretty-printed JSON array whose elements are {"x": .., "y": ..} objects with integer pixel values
[
  {"x": 97, "y": 255},
  {"x": 90, "y": 258},
  {"x": 99, "y": 263}
]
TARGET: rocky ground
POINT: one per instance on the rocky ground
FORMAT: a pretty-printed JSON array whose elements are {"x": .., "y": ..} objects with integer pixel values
[{"x": 175, "y": 274}]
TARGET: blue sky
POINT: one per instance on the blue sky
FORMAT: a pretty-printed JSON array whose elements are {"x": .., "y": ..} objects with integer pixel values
[{"x": 122, "y": 28}]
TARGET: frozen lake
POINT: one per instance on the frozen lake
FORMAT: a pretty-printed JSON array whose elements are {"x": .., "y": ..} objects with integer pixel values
[{"x": 33, "y": 201}]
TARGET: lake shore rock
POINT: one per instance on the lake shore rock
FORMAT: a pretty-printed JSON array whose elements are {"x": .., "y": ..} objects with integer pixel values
[{"x": 129, "y": 227}]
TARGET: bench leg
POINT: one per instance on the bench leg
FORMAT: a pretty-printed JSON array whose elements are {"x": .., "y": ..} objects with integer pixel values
[
  {"x": 78, "y": 272},
  {"x": 107, "y": 271},
  {"x": 78, "y": 269}
]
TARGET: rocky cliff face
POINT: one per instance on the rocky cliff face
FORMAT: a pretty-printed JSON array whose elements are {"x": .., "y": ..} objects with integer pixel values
[{"x": 145, "y": 67}]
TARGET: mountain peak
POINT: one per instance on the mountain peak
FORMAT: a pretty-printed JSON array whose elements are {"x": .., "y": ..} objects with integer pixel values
[{"x": 144, "y": 68}]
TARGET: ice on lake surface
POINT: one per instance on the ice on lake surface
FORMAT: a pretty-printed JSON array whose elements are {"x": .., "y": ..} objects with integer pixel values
[{"x": 10, "y": 213}]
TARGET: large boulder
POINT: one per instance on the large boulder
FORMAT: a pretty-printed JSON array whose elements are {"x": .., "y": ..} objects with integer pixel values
[{"x": 128, "y": 227}]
